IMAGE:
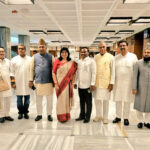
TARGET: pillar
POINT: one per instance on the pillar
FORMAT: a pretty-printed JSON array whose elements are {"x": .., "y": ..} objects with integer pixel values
[
  {"x": 25, "y": 39},
  {"x": 5, "y": 40}
]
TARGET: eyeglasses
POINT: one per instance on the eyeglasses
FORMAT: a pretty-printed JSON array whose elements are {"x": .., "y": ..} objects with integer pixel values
[{"x": 21, "y": 48}]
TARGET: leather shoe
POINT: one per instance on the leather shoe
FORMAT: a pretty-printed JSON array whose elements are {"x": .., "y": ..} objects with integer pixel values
[
  {"x": 140, "y": 125},
  {"x": 116, "y": 120},
  {"x": 126, "y": 122},
  {"x": 9, "y": 118},
  {"x": 26, "y": 116},
  {"x": 147, "y": 125},
  {"x": 86, "y": 121},
  {"x": 79, "y": 119},
  {"x": 49, "y": 118},
  {"x": 2, "y": 120},
  {"x": 20, "y": 116},
  {"x": 38, "y": 117}
]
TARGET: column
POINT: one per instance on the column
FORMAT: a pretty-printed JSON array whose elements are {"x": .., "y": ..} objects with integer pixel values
[
  {"x": 5, "y": 40},
  {"x": 25, "y": 39}
]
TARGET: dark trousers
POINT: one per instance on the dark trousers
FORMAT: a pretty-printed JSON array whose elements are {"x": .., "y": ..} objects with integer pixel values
[
  {"x": 23, "y": 106},
  {"x": 85, "y": 103}
]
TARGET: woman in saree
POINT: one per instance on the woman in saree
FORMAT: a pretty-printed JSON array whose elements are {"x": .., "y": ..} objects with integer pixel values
[{"x": 64, "y": 70}]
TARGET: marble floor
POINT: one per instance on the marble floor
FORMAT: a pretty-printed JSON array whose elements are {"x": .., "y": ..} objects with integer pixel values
[{"x": 43, "y": 135}]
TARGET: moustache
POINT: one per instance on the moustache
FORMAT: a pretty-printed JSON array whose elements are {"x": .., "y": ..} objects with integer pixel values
[{"x": 122, "y": 49}]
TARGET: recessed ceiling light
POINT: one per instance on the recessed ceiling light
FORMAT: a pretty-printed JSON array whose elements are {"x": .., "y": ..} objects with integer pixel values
[
  {"x": 17, "y": 2},
  {"x": 125, "y": 32},
  {"x": 136, "y": 1},
  {"x": 118, "y": 21},
  {"x": 54, "y": 32},
  {"x": 37, "y": 31}
]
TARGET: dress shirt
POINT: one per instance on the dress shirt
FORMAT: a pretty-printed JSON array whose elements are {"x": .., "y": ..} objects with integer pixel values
[{"x": 86, "y": 73}]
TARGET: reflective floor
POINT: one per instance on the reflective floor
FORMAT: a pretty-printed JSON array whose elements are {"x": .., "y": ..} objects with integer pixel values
[{"x": 43, "y": 135}]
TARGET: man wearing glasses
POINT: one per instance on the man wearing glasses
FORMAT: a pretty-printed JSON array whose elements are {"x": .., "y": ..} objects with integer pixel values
[
  {"x": 123, "y": 82},
  {"x": 20, "y": 67},
  {"x": 105, "y": 77}
]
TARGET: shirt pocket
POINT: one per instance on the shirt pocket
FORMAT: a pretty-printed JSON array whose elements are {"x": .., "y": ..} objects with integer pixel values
[{"x": 87, "y": 67}]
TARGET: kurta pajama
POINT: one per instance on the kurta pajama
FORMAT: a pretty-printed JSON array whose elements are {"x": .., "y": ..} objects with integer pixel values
[
  {"x": 5, "y": 96},
  {"x": 123, "y": 83}
]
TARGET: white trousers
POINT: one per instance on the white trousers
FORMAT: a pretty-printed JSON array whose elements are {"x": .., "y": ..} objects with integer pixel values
[
  {"x": 39, "y": 104},
  {"x": 122, "y": 106},
  {"x": 102, "y": 106},
  {"x": 5, "y": 102},
  {"x": 143, "y": 117}
]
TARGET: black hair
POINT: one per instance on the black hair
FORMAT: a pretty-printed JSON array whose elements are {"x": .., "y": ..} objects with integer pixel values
[
  {"x": 122, "y": 41},
  {"x": 64, "y": 49},
  {"x": 2, "y": 47},
  {"x": 85, "y": 48}
]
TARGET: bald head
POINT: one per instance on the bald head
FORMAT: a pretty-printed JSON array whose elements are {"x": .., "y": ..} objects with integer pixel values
[{"x": 102, "y": 48}]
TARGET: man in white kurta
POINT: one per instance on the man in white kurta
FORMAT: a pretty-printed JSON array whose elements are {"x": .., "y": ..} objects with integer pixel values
[
  {"x": 123, "y": 96},
  {"x": 41, "y": 73},
  {"x": 20, "y": 67},
  {"x": 5, "y": 96},
  {"x": 105, "y": 76}
]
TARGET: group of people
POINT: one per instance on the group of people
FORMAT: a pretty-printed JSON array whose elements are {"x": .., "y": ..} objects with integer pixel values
[{"x": 123, "y": 74}]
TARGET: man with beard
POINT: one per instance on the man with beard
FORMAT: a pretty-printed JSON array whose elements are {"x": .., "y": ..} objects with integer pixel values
[
  {"x": 141, "y": 89},
  {"x": 123, "y": 82}
]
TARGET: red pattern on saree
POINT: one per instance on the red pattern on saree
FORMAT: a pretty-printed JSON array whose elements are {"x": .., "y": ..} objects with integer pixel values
[
  {"x": 63, "y": 117},
  {"x": 67, "y": 79}
]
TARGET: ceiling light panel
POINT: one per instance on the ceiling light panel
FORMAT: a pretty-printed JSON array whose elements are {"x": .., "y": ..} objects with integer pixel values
[
  {"x": 143, "y": 19},
  {"x": 16, "y": 2},
  {"x": 136, "y": 1}
]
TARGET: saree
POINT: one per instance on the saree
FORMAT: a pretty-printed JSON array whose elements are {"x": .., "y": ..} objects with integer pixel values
[{"x": 64, "y": 73}]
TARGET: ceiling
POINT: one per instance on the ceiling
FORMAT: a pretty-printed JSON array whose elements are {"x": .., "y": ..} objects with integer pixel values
[{"x": 80, "y": 21}]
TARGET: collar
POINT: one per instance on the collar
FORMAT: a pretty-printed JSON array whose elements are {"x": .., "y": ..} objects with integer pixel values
[{"x": 85, "y": 58}]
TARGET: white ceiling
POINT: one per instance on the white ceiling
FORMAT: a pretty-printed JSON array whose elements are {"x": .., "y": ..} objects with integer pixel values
[{"x": 80, "y": 21}]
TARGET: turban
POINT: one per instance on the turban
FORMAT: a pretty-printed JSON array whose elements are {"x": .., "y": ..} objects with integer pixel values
[{"x": 41, "y": 42}]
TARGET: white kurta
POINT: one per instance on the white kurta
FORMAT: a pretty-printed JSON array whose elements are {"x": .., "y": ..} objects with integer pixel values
[
  {"x": 20, "y": 68},
  {"x": 5, "y": 71},
  {"x": 123, "y": 77}
]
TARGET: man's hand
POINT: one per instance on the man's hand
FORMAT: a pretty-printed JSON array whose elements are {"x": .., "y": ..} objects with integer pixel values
[
  {"x": 110, "y": 87},
  {"x": 30, "y": 84},
  {"x": 134, "y": 92},
  {"x": 92, "y": 87},
  {"x": 57, "y": 87},
  {"x": 75, "y": 86},
  {"x": 13, "y": 86}
]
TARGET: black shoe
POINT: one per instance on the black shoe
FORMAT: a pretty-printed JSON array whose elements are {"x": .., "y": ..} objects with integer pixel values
[
  {"x": 147, "y": 125},
  {"x": 49, "y": 118},
  {"x": 116, "y": 120},
  {"x": 2, "y": 120},
  {"x": 86, "y": 121},
  {"x": 79, "y": 119},
  {"x": 9, "y": 118},
  {"x": 26, "y": 116},
  {"x": 126, "y": 122},
  {"x": 140, "y": 125},
  {"x": 38, "y": 117},
  {"x": 20, "y": 116}
]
